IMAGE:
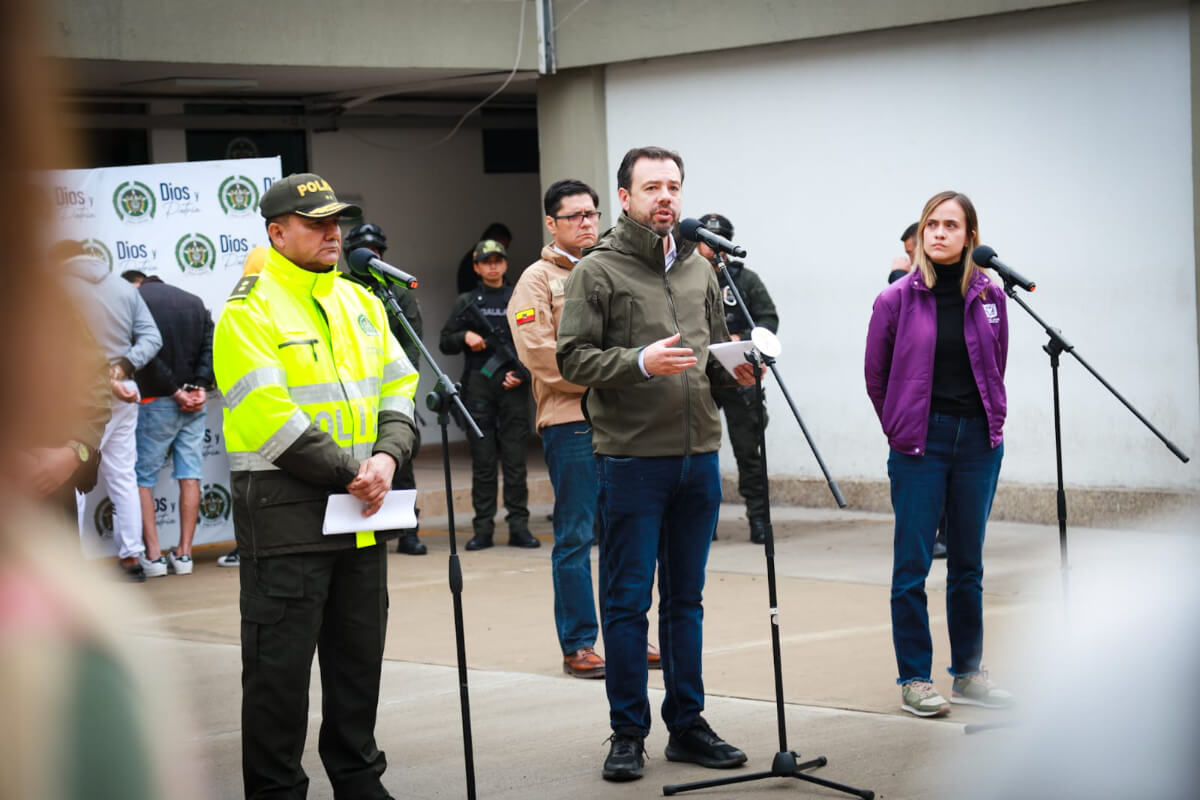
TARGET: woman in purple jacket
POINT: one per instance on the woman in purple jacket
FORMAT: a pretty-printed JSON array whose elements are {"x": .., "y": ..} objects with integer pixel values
[{"x": 936, "y": 351}]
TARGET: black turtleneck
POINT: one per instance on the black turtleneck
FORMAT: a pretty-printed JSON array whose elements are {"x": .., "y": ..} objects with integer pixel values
[{"x": 954, "y": 389}]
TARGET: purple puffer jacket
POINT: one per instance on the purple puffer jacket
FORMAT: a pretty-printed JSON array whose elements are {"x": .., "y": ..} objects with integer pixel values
[{"x": 899, "y": 363}]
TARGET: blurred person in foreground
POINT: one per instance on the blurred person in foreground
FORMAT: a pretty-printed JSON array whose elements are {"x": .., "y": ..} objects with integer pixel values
[
  {"x": 80, "y": 720},
  {"x": 318, "y": 401},
  {"x": 945, "y": 427}
]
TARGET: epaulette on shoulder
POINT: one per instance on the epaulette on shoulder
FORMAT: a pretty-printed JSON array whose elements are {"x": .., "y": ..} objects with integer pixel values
[{"x": 244, "y": 287}]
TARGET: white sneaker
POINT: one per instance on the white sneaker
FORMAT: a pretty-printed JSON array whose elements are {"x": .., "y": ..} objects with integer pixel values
[
  {"x": 153, "y": 569},
  {"x": 180, "y": 565}
]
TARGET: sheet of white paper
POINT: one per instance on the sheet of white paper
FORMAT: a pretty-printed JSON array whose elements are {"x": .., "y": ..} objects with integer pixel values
[
  {"x": 730, "y": 354},
  {"x": 343, "y": 514}
]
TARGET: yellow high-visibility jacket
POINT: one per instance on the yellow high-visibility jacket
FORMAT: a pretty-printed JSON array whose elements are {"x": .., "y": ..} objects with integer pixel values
[{"x": 313, "y": 383}]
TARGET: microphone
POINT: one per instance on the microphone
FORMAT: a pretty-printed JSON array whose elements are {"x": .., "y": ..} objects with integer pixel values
[
  {"x": 693, "y": 231},
  {"x": 984, "y": 256},
  {"x": 365, "y": 263}
]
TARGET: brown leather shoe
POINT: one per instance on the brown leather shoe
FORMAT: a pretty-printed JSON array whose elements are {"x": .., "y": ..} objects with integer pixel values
[
  {"x": 584, "y": 664},
  {"x": 653, "y": 657}
]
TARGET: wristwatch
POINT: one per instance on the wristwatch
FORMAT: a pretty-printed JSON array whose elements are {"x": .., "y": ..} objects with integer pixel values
[{"x": 81, "y": 450}]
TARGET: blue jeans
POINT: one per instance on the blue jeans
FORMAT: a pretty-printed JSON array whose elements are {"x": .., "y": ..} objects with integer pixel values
[
  {"x": 958, "y": 472},
  {"x": 162, "y": 429},
  {"x": 572, "y": 466},
  {"x": 664, "y": 511}
]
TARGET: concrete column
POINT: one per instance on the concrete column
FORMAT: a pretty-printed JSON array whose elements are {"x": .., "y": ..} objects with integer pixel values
[
  {"x": 1194, "y": 35},
  {"x": 572, "y": 131},
  {"x": 167, "y": 145}
]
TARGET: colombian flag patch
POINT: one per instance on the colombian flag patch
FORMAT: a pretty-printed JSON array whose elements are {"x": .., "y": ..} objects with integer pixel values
[{"x": 525, "y": 315}]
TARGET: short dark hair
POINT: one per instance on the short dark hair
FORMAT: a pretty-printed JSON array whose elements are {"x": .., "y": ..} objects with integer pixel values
[
  {"x": 132, "y": 275},
  {"x": 625, "y": 171},
  {"x": 568, "y": 187},
  {"x": 497, "y": 230},
  {"x": 909, "y": 232}
]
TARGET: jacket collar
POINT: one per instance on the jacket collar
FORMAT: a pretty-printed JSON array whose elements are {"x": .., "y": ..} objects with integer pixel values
[
  {"x": 556, "y": 258},
  {"x": 297, "y": 278},
  {"x": 635, "y": 239}
]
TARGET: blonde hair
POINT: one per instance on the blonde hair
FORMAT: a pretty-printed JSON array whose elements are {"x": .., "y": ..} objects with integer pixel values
[{"x": 922, "y": 262}]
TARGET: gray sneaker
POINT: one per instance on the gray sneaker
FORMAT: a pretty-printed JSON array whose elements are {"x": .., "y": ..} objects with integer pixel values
[
  {"x": 920, "y": 698},
  {"x": 153, "y": 569},
  {"x": 977, "y": 689}
]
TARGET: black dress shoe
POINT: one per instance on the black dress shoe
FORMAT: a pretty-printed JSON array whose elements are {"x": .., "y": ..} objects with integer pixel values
[
  {"x": 522, "y": 538},
  {"x": 626, "y": 756},
  {"x": 480, "y": 541},
  {"x": 939, "y": 548},
  {"x": 758, "y": 530},
  {"x": 410, "y": 545},
  {"x": 698, "y": 744}
]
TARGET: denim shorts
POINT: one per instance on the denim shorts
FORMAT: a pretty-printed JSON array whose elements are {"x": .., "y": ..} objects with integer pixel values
[{"x": 162, "y": 430}]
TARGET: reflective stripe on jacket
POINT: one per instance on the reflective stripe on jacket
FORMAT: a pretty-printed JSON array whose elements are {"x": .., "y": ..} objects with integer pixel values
[{"x": 313, "y": 383}]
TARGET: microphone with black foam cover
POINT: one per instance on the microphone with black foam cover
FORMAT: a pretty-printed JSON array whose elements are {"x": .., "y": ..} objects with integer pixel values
[
  {"x": 365, "y": 263},
  {"x": 693, "y": 231},
  {"x": 984, "y": 256}
]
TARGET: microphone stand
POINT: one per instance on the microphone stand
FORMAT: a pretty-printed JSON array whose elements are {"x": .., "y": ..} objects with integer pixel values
[
  {"x": 786, "y": 763},
  {"x": 1058, "y": 344},
  {"x": 444, "y": 396},
  {"x": 723, "y": 270}
]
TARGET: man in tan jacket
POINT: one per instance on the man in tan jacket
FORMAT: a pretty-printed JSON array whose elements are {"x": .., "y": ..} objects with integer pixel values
[{"x": 533, "y": 315}]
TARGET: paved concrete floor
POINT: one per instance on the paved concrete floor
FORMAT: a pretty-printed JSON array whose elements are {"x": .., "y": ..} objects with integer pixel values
[{"x": 540, "y": 734}]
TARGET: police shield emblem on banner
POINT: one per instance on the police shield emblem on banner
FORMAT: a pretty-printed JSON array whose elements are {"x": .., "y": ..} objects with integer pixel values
[
  {"x": 195, "y": 253},
  {"x": 238, "y": 196},
  {"x": 134, "y": 202},
  {"x": 215, "y": 504}
]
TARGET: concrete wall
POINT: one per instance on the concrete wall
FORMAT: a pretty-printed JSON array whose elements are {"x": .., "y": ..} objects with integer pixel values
[
  {"x": 1072, "y": 131},
  {"x": 367, "y": 33},
  {"x": 623, "y": 30},
  {"x": 432, "y": 203}
]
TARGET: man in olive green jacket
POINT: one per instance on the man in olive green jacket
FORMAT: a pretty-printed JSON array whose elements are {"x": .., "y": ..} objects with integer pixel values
[{"x": 638, "y": 318}]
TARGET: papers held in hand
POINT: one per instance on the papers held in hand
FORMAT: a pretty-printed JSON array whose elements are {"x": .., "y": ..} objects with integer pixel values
[
  {"x": 343, "y": 513},
  {"x": 731, "y": 354}
]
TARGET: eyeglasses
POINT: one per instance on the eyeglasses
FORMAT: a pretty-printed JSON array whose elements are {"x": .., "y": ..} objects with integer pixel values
[{"x": 577, "y": 219}]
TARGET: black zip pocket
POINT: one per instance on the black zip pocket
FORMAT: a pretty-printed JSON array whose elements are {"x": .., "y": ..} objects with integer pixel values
[{"x": 312, "y": 343}]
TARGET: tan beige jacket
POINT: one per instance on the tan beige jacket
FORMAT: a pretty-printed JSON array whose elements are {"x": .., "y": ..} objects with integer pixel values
[{"x": 533, "y": 315}]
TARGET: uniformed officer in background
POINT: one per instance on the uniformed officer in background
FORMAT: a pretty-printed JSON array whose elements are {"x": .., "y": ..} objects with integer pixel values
[
  {"x": 318, "y": 400},
  {"x": 372, "y": 237},
  {"x": 496, "y": 392},
  {"x": 740, "y": 403}
]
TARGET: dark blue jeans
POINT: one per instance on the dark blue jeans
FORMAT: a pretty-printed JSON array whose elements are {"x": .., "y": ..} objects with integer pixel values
[
  {"x": 655, "y": 511},
  {"x": 958, "y": 472},
  {"x": 572, "y": 466}
]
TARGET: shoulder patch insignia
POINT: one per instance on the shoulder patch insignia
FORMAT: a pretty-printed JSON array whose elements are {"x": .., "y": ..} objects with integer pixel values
[
  {"x": 525, "y": 315},
  {"x": 243, "y": 288}
]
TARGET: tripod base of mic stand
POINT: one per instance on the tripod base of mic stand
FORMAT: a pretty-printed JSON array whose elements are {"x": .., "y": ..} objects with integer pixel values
[{"x": 785, "y": 765}]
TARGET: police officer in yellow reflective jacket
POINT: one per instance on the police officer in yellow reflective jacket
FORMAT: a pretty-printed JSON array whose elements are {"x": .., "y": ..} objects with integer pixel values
[{"x": 318, "y": 400}]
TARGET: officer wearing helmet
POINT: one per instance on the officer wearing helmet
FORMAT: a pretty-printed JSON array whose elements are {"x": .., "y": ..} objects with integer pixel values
[
  {"x": 739, "y": 403},
  {"x": 370, "y": 235}
]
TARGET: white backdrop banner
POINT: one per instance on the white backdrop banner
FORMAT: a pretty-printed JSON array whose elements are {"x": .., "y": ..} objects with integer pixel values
[{"x": 192, "y": 225}]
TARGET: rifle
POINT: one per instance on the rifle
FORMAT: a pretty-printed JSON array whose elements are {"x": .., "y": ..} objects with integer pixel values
[{"x": 503, "y": 354}]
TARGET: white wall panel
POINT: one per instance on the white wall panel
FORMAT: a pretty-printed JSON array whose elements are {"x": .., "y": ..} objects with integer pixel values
[{"x": 1069, "y": 128}]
